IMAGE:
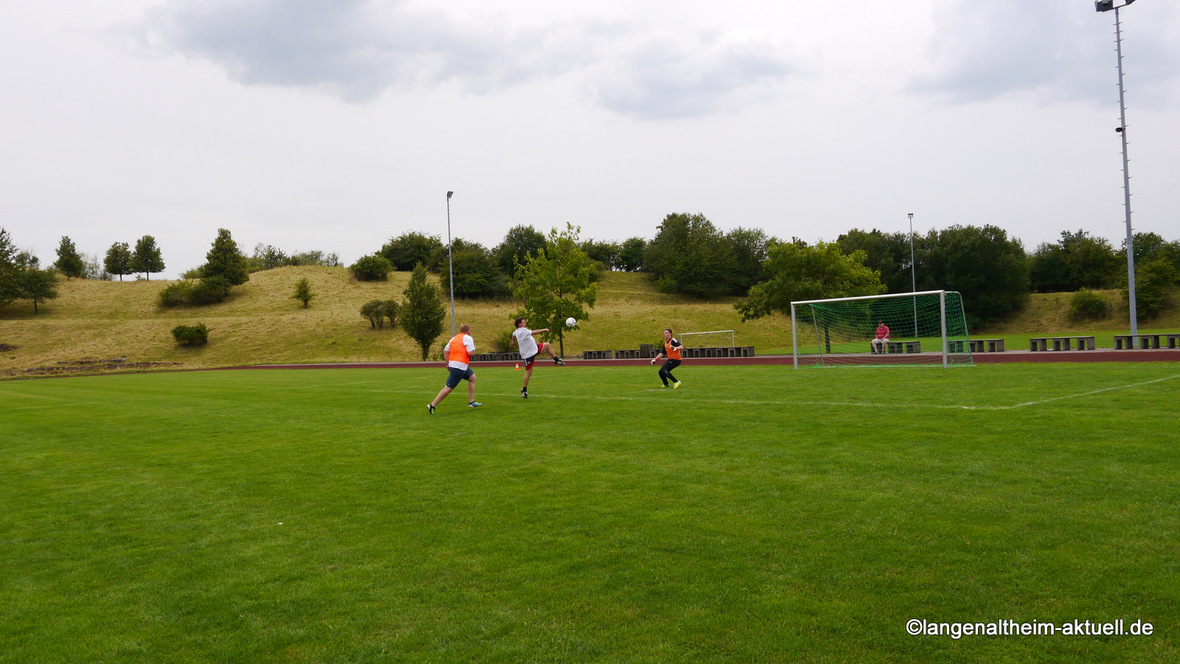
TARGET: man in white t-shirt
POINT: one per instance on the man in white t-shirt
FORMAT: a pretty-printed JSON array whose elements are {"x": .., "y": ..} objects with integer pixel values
[{"x": 529, "y": 350}]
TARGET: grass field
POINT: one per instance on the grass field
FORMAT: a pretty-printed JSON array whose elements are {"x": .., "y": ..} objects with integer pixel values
[{"x": 759, "y": 514}]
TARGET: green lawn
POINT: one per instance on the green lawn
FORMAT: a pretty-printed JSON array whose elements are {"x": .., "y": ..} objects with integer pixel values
[{"x": 759, "y": 514}]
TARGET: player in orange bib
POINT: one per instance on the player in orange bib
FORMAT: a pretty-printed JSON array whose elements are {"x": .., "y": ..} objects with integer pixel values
[
  {"x": 671, "y": 351},
  {"x": 458, "y": 352}
]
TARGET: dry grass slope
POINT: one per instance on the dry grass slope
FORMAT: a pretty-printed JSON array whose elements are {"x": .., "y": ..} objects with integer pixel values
[{"x": 262, "y": 324}]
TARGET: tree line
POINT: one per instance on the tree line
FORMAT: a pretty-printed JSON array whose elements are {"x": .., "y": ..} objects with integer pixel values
[{"x": 689, "y": 255}]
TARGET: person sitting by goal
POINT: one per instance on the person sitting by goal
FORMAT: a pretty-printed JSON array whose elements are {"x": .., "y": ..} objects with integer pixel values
[{"x": 878, "y": 344}]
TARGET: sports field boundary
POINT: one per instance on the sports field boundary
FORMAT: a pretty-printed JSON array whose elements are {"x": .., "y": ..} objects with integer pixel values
[{"x": 1071, "y": 356}]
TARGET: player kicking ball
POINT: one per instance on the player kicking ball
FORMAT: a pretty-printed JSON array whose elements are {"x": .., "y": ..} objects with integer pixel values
[
  {"x": 529, "y": 350},
  {"x": 671, "y": 351}
]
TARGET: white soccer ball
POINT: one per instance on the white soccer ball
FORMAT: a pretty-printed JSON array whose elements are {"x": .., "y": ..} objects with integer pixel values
[{"x": 570, "y": 322}]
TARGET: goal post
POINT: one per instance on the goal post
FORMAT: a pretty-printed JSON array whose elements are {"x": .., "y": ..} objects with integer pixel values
[
  {"x": 702, "y": 337},
  {"x": 924, "y": 328}
]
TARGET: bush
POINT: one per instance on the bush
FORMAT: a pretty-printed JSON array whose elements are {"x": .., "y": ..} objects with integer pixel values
[
  {"x": 372, "y": 268},
  {"x": 191, "y": 335},
  {"x": 503, "y": 342},
  {"x": 210, "y": 290},
  {"x": 1086, "y": 305},
  {"x": 378, "y": 310},
  {"x": 303, "y": 292},
  {"x": 177, "y": 294}
]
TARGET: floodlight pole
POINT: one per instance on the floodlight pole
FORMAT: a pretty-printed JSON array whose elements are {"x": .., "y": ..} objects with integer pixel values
[
  {"x": 450, "y": 262},
  {"x": 913, "y": 274},
  {"x": 1105, "y": 6}
]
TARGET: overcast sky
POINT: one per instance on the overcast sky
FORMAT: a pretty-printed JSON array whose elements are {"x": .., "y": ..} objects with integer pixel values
[{"x": 338, "y": 124}]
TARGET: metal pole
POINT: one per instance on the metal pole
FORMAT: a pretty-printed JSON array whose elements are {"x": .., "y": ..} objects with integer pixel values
[
  {"x": 913, "y": 275},
  {"x": 794, "y": 337},
  {"x": 450, "y": 263},
  {"x": 1118, "y": 35}
]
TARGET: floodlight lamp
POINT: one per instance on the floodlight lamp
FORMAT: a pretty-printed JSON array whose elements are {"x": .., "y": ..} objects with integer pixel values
[
  {"x": 449, "y": 193},
  {"x": 1105, "y": 5}
]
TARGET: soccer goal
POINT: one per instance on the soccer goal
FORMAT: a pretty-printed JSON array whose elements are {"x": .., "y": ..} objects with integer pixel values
[
  {"x": 906, "y": 328},
  {"x": 714, "y": 339}
]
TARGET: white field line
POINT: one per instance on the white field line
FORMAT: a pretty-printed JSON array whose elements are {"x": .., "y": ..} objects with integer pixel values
[
  {"x": 850, "y": 404},
  {"x": 428, "y": 394}
]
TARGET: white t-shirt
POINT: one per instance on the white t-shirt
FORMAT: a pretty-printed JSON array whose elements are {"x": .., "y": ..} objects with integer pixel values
[{"x": 525, "y": 342}]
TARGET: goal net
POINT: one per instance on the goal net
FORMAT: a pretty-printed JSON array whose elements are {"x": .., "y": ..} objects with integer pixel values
[{"x": 902, "y": 329}]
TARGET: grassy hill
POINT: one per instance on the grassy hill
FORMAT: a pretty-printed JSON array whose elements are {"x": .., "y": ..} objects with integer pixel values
[{"x": 261, "y": 323}]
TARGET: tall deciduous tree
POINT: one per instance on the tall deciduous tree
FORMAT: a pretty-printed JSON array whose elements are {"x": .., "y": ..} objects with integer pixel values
[
  {"x": 557, "y": 283},
  {"x": 226, "y": 260},
  {"x": 423, "y": 313},
  {"x": 118, "y": 260},
  {"x": 689, "y": 255},
  {"x": 1076, "y": 261},
  {"x": 9, "y": 289},
  {"x": 801, "y": 272},
  {"x": 146, "y": 257},
  {"x": 520, "y": 244},
  {"x": 631, "y": 252},
  {"x": 888, "y": 254},
  {"x": 69, "y": 261},
  {"x": 988, "y": 269},
  {"x": 38, "y": 285},
  {"x": 408, "y": 249}
]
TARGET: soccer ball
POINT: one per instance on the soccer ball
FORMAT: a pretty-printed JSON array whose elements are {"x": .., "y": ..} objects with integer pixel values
[{"x": 570, "y": 322}]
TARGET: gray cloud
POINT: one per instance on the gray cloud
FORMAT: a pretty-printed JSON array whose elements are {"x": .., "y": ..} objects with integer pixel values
[
  {"x": 1051, "y": 50},
  {"x": 358, "y": 49}
]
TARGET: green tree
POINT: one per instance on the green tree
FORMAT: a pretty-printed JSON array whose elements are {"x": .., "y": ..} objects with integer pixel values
[
  {"x": 520, "y": 244},
  {"x": 9, "y": 288},
  {"x": 1076, "y": 261},
  {"x": 408, "y": 249},
  {"x": 226, "y": 260},
  {"x": 69, "y": 261},
  {"x": 146, "y": 258},
  {"x": 887, "y": 253},
  {"x": 989, "y": 270},
  {"x": 303, "y": 292},
  {"x": 38, "y": 286},
  {"x": 689, "y": 255},
  {"x": 631, "y": 252},
  {"x": 118, "y": 260},
  {"x": 1153, "y": 287},
  {"x": 476, "y": 273},
  {"x": 423, "y": 312},
  {"x": 749, "y": 246},
  {"x": 557, "y": 283},
  {"x": 604, "y": 254},
  {"x": 800, "y": 272},
  {"x": 371, "y": 268}
]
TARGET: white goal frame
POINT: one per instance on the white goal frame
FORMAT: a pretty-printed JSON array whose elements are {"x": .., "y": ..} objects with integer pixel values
[
  {"x": 941, "y": 306},
  {"x": 682, "y": 335}
]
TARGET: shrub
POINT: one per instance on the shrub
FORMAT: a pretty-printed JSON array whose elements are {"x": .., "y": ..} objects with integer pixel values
[
  {"x": 389, "y": 309},
  {"x": 210, "y": 290},
  {"x": 303, "y": 291},
  {"x": 1086, "y": 305},
  {"x": 371, "y": 268},
  {"x": 177, "y": 294},
  {"x": 191, "y": 335},
  {"x": 374, "y": 310},
  {"x": 503, "y": 342}
]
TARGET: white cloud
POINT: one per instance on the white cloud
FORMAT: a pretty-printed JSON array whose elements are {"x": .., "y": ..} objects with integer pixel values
[
  {"x": 357, "y": 50},
  {"x": 1049, "y": 51}
]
